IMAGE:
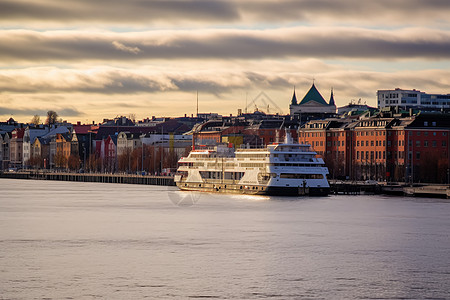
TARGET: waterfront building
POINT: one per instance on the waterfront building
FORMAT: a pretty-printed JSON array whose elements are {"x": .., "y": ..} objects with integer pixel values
[
  {"x": 413, "y": 99},
  {"x": 16, "y": 147},
  {"x": 85, "y": 135},
  {"x": 383, "y": 147},
  {"x": 312, "y": 106},
  {"x": 40, "y": 153},
  {"x": 60, "y": 146},
  {"x": 5, "y": 145},
  {"x": 127, "y": 141},
  {"x": 29, "y": 137},
  {"x": 1, "y": 150}
]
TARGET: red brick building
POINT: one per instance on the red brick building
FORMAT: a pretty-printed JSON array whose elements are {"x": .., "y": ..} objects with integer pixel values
[{"x": 389, "y": 148}]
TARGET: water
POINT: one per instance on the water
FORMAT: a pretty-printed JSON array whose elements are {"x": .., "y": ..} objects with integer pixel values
[{"x": 65, "y": 240}]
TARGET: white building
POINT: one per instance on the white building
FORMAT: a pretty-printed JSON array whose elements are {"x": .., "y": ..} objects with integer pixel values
[
  {"x": 412, "y": 99},
  {"x": 175, "y": 142},
  {"x": 29, "y": 137},
  {"x": 127, "y": 140}
]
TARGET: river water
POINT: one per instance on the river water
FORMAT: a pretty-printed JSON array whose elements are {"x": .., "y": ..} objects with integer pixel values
[{"x": 70, "y": 240}]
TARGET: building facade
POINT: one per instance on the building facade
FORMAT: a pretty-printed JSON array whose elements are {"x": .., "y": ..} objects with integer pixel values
[
  {"x": 312, "y": 104},
  {"x": 410, "y": 149},
  {"x": 412, "y": 99}
]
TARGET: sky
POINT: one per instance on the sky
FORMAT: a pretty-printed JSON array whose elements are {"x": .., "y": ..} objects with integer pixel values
[{"x": 89, "y": 60}]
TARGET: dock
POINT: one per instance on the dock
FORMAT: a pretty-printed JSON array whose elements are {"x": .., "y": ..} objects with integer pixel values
[
  {"x": 398, "y": 189},
  {"x": 338, "y": 187},
  {"x": 435, "y": 191},
  {"x": 92, "y": 177}
]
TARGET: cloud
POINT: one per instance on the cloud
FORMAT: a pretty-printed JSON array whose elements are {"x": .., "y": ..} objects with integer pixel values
[
  {"x": 176, "y": 12},
  {"x": 122, "y": 47},
  {"x": 298, "y": 42},
  {"x": 63, "y": 113},
  {"x": 117, "y": 81}
]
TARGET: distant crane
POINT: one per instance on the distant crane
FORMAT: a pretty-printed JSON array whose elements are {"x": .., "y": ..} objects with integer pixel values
[{"x": 265, "y": 100}]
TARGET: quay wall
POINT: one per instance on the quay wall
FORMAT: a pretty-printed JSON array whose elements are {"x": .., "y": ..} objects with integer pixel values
[{"x": 92, "y": 177}]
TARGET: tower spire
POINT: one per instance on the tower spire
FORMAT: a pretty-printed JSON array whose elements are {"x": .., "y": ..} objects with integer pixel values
[
  {"x": 294, "y": 98},
  {"x": 331, "y": 102}
]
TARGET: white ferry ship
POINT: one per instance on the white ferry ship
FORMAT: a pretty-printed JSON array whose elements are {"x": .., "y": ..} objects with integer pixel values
[{"x": 278, "y": 169}]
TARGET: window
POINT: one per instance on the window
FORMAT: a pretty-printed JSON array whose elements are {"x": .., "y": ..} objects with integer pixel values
[
  {"x": 417, "y": 143},
  {"x": 434, "y": 143},
  {"x": 357, "y": 143},
  {"x": 367, "y": 143},
  {"x": 444, "y": 143},
  {"x": 371, "y": 143},
  {"x": 357, "y": 154},
  {"x": 417, "y": 155},
  {"x": 389, "y": 143},
  {"x": 425, "y": 143}
]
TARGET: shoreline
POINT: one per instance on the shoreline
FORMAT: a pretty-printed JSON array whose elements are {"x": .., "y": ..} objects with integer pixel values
[
  {"x": 91, "y": 177},
  {"x": 336, "y": 187}
]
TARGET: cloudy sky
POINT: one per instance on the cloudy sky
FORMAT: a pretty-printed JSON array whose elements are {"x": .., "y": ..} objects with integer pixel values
[{"x": 90, "y": 60}]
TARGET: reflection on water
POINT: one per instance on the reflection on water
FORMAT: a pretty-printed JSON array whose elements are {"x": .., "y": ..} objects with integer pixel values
[{"x": 65, "y": 240}]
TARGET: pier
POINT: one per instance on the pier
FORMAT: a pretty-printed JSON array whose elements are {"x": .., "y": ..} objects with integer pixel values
[
  {"x": 434, "y": 191},
  {"x": 92, "y": 177},
  {"x": 336, "y": 187},
  {"x": 400, "y": 189},
  {"x": 354, "y": 188}
]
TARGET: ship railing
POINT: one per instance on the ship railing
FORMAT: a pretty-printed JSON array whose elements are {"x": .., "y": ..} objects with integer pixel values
[{"x": 252, "y": 149}]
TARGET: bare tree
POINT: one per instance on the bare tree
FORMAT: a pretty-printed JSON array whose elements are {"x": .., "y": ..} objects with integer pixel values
[
  {"x": 36, "y": 120},
  {"x": 52, "y": 117}
]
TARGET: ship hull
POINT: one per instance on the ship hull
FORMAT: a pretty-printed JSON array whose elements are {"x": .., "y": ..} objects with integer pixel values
[{"x": 253, "y": 189}]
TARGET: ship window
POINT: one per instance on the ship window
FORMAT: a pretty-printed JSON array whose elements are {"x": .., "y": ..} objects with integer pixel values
[{"x": 301, "y": 176}]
